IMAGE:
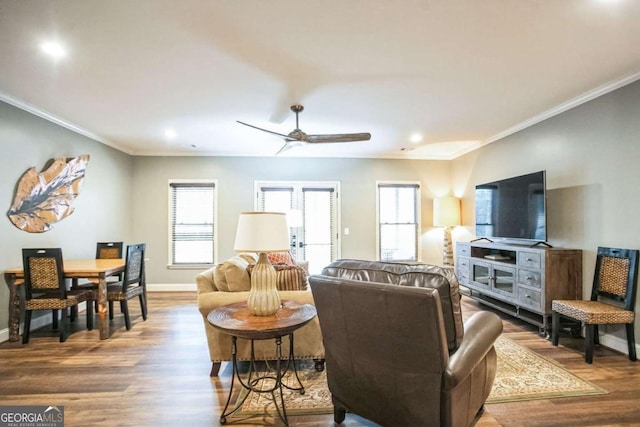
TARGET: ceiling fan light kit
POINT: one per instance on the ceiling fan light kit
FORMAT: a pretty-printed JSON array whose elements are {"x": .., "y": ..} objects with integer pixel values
[{"x": 297, "y": 137}]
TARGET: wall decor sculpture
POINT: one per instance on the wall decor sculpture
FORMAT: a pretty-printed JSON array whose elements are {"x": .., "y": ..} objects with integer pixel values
[{"x": 44, "y": 198}]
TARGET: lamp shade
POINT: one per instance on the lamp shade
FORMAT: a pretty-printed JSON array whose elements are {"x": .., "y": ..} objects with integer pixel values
[
  {"x": 446, "y": 211},
  {"x": 262, "y": 232}
]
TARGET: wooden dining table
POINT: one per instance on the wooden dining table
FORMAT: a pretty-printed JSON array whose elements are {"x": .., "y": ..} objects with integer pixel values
[{"x": 97, "y": 269}]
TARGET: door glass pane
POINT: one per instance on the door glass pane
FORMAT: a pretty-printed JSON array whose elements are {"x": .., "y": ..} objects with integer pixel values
[
  {"x": 314, "y": 238},
  {"x": 318, "y": 229}
]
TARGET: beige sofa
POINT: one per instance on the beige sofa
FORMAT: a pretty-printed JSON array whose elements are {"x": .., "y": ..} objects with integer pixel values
[{"x": 228, "y": 283}]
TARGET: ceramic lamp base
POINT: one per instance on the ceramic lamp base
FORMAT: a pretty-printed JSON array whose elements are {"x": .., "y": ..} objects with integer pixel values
[
  {"x": 447, "y": 249},
  {"x": 264, "y": 299}
]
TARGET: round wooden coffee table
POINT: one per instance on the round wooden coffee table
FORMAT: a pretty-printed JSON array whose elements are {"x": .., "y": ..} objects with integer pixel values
[{"x": 236, "y": 320}]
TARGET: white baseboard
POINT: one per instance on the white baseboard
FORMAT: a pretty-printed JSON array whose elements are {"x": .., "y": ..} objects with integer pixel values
[
  {"x": 171, "y": 287},
  {"x": 616, "y": 343}
]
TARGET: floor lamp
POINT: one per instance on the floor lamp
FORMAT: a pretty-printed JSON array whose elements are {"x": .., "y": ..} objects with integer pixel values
[
  {"x": 262, "y": 232},
  {"x": 446, "y": 213}
]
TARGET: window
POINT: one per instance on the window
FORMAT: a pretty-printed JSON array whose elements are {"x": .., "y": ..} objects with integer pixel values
[
  {"x": 485, "y": 209},
  {"x": 315, "y": 237},
  {"x": 398, "y": 221},
  {"x": 192, "y": 225}
]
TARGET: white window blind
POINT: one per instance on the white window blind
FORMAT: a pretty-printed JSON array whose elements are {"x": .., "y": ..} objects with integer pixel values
[
  {"x": 275, "y": 199},
  {"x": 398, "y": 221},
  {"x": 192, "y": 223},
  {"x": 320, "y": 228}
]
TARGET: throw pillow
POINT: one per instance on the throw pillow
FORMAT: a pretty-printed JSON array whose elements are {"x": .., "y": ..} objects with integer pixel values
[
  {"x": 280, "y": 257},
  {"x": 235, "y": 274},
  {"x": 251, "y": 258},
  {"x": 288, "y": 277},
  {"x": 219, "y": 279}
]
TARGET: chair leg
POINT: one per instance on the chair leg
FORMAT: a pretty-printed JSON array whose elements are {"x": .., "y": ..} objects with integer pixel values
[
  {"x": 588, "y": 343},
  {"x": 63, "y": 325},
  {"x": 215, "y": 368},
  {"x": 143, "y": 306},
  {"x": 124, "y": 307},
  {"x": 555, "y": 328},
  {"x": 110, "y": 310},
  {"x": 631, "y": 341},
  {"x": 26, "y": 327},
  {"x": 338, "y": 415},
  {"x": 89, "y": 315},
  {"x": 596, "y": 335},
  {"x": 54, "y": 323}
]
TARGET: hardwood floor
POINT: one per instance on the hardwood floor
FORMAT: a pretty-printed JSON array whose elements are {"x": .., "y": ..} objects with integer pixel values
[{"x": 156, "y": 374}]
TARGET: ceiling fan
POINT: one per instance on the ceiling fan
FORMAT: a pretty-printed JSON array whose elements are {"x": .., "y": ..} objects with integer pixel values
[{"x": 298, "y": 137}]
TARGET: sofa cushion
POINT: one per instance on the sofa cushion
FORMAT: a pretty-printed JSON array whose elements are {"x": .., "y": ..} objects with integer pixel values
[{"x": 231, "y": 275}]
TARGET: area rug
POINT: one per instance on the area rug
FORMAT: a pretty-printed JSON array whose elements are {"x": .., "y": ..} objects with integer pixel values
[{"x": 521, "y": 375}]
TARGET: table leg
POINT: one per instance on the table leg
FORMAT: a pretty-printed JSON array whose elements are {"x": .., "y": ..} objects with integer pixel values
[
  {"x": 279, "y": 375},
  {"x": 14, "y": 307},
  {"x": 103, "y": 321},
  {"x": 292, "y": 360},
  {"x": 223, "y": 417}
]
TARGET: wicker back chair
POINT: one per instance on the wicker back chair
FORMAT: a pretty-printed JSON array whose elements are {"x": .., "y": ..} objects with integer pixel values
[
  {"x": 612, "y": 301},
  {"x": 109, "y": 250},
  {"x": 132, "y": 285},
  {"x": 104, "y": 250},
  {"x": 46, "y": 289}
]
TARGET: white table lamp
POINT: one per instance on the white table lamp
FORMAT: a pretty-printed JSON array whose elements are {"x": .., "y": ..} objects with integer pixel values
[
  {"x": 262, "y": 232},
  {"x": 446, "y": 213}
]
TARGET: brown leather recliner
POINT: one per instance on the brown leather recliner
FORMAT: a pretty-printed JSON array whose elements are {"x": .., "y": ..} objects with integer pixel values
[
  {"x": 387, "y": 356},
  {"x": 415, "y": 275}
]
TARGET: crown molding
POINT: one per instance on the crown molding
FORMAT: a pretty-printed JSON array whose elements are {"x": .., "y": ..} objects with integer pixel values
[
  {"x": 575, "y": 102},
  {"x": 23, "y": 105}
]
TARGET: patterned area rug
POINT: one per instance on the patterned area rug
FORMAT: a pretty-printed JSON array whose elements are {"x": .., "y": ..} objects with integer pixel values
[
  {"x": 522, "y": 375},
  {"x": 525, "y": 375}
]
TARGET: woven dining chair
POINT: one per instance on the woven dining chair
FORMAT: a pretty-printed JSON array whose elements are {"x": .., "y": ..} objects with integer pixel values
[
  {"x": 612, "y": 301},
  {"x": 46, "y": 290},
  {"x": 132, "y": 285},
  {"x": 104, "y": 250}
]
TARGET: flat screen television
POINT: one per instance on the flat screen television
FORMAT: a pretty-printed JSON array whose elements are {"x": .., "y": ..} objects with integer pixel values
[{"x": 513, "y": 208}]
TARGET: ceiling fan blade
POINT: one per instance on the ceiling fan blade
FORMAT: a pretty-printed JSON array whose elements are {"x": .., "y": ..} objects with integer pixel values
[
  {"x": 284, "y": 148},
  {"x": 286, "y": 137},
  {"x": 339, "y": 137}
]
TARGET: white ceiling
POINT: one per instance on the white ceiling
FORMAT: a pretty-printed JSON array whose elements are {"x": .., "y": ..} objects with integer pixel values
[{"x": 461, "y": 72}]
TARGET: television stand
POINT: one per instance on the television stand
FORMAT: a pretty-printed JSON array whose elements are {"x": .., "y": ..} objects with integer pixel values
[{"x": 519, "y": 280}]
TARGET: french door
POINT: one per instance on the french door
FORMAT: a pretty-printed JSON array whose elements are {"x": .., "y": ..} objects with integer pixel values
[{"x": 312, "y": 209}]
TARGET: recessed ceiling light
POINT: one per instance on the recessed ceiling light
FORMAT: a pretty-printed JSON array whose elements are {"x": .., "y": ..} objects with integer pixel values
[
  {"x": 170, "y": 133},
  {"x": 53, "y": 49},
  {"x": 415, "y": 138}
]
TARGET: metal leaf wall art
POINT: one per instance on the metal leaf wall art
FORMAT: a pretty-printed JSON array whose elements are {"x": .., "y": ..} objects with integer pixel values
[{"x": 44, "y": 198}]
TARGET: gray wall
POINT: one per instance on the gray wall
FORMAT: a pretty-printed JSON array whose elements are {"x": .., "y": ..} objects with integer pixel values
[
  {"x": 592, "y": 158},
  {"x": 236, "y": 176},
  {"x": 591, "y": 155},
  {"x": 102, "y": 211}
]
